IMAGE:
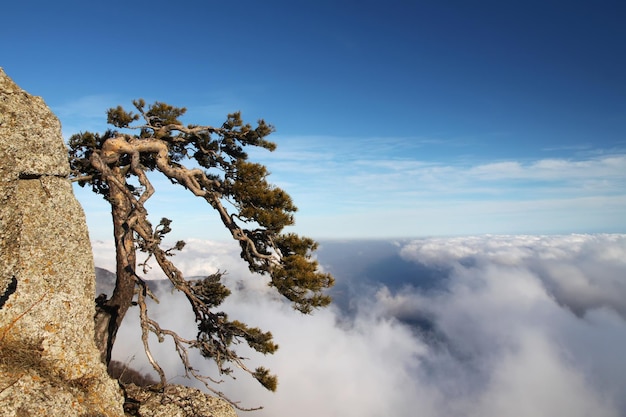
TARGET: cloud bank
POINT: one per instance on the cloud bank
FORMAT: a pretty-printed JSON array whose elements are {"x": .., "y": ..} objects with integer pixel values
[{"x": 473, "y": 326}]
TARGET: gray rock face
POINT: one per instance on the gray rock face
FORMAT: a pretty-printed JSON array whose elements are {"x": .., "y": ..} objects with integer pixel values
[{"x": 49, "y": 364}]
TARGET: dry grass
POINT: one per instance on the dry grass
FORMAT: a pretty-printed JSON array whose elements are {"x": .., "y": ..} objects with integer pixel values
[{"x": 18, "y": 355}]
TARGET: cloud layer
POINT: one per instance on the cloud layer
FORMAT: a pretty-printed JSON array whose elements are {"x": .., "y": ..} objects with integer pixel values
[{"x": 510, "y": 325}]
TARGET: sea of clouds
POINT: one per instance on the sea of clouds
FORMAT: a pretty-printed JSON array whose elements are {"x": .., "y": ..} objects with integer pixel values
[{"x": 468, "y": 326}]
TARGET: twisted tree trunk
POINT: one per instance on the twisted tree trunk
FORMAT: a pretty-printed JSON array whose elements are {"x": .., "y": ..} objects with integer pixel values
[{"x": 111, "y": 312}]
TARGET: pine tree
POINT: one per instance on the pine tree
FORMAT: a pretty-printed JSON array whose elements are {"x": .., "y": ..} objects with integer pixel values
[{"x": 212, "y": 164}]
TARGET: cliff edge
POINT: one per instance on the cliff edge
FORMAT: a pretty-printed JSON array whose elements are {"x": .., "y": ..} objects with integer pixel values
[{"x": 49, "y": 364}]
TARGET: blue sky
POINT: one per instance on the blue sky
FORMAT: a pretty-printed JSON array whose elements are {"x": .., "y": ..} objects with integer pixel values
[{"x": 393, "y": 118}]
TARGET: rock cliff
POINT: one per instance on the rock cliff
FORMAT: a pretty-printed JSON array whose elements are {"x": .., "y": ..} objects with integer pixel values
[{"x": 49, "y": 364}]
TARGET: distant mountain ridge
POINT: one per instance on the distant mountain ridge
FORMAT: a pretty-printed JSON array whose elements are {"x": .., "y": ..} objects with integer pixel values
[{"x": 105, "y": 282}]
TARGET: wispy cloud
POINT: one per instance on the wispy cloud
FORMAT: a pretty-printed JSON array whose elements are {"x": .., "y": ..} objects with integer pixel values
[
  {"x": 354, "y": 191},
  {"x": 325, "y": 175},
  {"x": 374, "y": 166}
]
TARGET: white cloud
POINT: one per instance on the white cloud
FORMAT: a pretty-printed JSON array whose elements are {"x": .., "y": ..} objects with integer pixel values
[
  {"x": 534, "y": 381},
  {"x": 554, "y": 195},
  {"x": 579, "y": 271},
  {"x": 494, "y": 339}
]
